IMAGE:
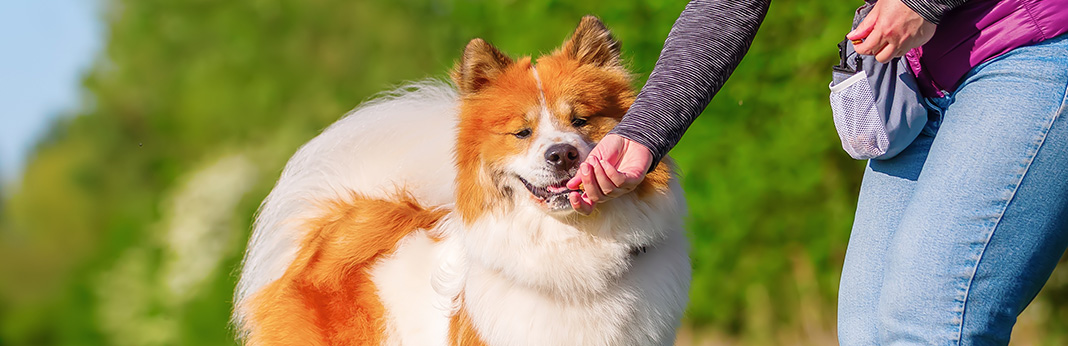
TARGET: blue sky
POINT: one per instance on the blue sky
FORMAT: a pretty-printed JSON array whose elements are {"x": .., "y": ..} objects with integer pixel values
[{"x": 45, "y": 48}]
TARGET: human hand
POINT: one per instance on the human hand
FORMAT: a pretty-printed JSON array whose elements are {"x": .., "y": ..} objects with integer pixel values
[
  {"x": 890, "y": 30},
  {"x": 614, "y": 167}
]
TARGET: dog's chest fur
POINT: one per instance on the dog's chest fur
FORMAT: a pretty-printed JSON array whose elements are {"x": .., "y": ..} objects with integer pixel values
[{"x": 529, "y": 279}]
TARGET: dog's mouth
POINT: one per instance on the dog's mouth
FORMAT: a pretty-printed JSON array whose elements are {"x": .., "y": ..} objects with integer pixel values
[
  {"x": 545, "y": 192},
  {"x": 553, "y": 195}
]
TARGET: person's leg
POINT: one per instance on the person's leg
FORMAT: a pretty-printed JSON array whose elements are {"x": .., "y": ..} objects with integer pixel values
[
  {"x": 884, "y": 193},
  {"x": 987, "y": 219}
]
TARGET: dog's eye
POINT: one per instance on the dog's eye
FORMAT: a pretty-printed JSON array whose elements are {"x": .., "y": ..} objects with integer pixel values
[
  {"x": 524, "y": 133},
  {"x": 578, "y": 122}
]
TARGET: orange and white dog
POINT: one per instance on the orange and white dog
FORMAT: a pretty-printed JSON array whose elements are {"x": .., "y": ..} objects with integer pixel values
[{"x": 437, "y": 215}]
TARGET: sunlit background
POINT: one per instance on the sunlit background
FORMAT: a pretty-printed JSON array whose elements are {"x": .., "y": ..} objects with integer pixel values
[{"x": 137, "y": 139}]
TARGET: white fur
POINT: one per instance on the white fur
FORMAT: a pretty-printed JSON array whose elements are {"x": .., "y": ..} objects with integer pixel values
[
  {"x": 403, "y": 280},
  {"x": 531, "y": 165},
  {"x": 549, "y": 132},
  {"x": 535, "y": 280},
  {"x": 525, "y": 276},
  {"x": 418, "y": 121}
]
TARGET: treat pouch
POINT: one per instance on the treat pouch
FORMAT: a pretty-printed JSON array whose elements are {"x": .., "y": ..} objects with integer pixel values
[{"x": 877, "y": 108}]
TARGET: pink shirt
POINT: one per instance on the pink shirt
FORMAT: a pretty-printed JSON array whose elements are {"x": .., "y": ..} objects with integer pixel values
[{"x": 980, "y": 30}]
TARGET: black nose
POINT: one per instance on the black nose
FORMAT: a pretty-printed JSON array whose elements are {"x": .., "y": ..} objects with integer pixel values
[{"x": 562, "y": 156}]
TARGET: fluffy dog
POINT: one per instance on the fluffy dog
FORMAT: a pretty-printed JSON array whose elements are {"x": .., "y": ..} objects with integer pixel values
[{"x": 438, "y": 215}]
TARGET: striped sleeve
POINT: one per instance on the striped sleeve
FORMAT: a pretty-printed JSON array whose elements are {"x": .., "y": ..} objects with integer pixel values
[
  {"x": 933, "y": 10},
  {"x": 704, "y": 46}
]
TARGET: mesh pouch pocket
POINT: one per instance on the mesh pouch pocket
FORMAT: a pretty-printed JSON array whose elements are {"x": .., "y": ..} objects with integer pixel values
[
  {"x": 877, "y": 107},
  {"x": 856, "y": 116}
]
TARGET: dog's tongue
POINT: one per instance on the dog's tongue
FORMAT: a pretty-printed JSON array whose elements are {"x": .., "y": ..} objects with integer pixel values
[{"x": 557, "y": 189}]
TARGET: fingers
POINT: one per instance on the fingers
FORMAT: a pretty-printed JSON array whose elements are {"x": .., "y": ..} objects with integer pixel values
[
  {"x": 871, "y": 32},
  {"x": 590, "y": 184},
  {"x": 888, "y": 52},
  {"x": 606, "y": 183},
  {"x": 864, "y": 29},
  {"x": 598, "y": 181},
  {"x": 866, "y": 26},
  {"x": 624, "y": 182},
  {"x": 579, "y": 204},
  {"x": 617, "y": 178},
  {"x": 606, "y": 147},
  {"x": 575, "y": 182},
  {"x": 615, "y": 166},
  {"x": 890, "y": 30},
  {"x": 872, "y": 44},
  {"x": 882, "y": 50}
]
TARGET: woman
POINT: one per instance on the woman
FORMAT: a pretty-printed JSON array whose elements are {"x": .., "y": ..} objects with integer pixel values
[{"x": 954, "y": 236}]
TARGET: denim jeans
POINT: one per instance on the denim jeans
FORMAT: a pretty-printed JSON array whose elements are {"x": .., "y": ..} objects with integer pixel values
[{"x": 955, "y": 236}]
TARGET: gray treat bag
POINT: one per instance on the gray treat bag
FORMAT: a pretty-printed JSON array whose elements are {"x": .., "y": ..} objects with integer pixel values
[{"x": 877, "y": 108}]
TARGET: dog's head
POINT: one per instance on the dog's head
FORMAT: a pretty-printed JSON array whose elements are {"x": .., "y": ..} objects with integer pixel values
[{"x": 525, "y": 127}]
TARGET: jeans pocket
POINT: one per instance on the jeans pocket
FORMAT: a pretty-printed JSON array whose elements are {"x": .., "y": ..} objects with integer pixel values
[{"x": 856, "y": 117}]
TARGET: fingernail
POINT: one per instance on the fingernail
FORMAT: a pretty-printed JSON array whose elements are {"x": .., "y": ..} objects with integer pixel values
[{"x": 585, "y": 168}]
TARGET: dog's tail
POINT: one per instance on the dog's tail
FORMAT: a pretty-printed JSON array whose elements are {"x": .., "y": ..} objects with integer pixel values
[{"x": 400, "y": 140}]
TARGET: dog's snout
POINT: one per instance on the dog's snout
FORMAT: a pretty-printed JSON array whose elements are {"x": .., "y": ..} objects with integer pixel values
[{"x": 562, "y": 157}]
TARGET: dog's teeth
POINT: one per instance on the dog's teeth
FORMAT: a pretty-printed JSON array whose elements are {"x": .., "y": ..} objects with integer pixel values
[{"x": 546, "y": 192}]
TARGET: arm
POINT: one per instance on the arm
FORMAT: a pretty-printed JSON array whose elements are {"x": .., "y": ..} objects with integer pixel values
[
  {"x": 704, "y": 46},
  {"x": 933, "y": 10}
]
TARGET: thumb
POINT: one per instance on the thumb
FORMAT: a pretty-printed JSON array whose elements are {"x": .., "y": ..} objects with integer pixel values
[{"x": 865, "y": 27}]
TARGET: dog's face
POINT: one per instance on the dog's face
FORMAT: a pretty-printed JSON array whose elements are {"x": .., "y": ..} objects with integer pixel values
[{"x": 524, "y": 127}]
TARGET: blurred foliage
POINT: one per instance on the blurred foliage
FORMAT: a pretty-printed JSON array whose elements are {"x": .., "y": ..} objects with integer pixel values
[{"x": 129, "y": 221}]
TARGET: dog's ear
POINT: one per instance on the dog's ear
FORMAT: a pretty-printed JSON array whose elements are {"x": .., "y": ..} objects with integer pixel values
[
  {"x": 478, "y": 66},
  {"x": 593, "y": 44}
]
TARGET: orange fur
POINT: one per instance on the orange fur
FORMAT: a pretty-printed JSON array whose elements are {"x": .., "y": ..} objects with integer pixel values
[
  {"x": 462, "y": 331},
  {"x": 584, "y": 78},
  {"x": 326, "y": 297},
  {"x": 488, "y": 118}
]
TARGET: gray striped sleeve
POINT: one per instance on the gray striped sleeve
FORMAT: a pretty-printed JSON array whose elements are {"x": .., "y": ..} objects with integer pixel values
[
  {"x": 704, "y": 46},
  {"x": 933, "y": 10}
]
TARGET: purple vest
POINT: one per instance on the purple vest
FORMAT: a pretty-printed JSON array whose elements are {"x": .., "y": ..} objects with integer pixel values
[{"x": 978, "y": 31}]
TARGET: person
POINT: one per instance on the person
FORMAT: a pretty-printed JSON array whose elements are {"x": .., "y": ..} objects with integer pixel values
[{"x": 954, "y": 236}]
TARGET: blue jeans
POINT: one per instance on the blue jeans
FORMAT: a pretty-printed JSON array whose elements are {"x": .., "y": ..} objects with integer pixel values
[{"x": 955, "y": 236}]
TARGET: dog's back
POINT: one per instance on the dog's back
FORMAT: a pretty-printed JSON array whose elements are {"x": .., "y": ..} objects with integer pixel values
[{"x": 345, "y": 198}]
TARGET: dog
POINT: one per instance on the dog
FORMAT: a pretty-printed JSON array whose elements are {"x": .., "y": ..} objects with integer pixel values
[{"x": 438, "y": 214}]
